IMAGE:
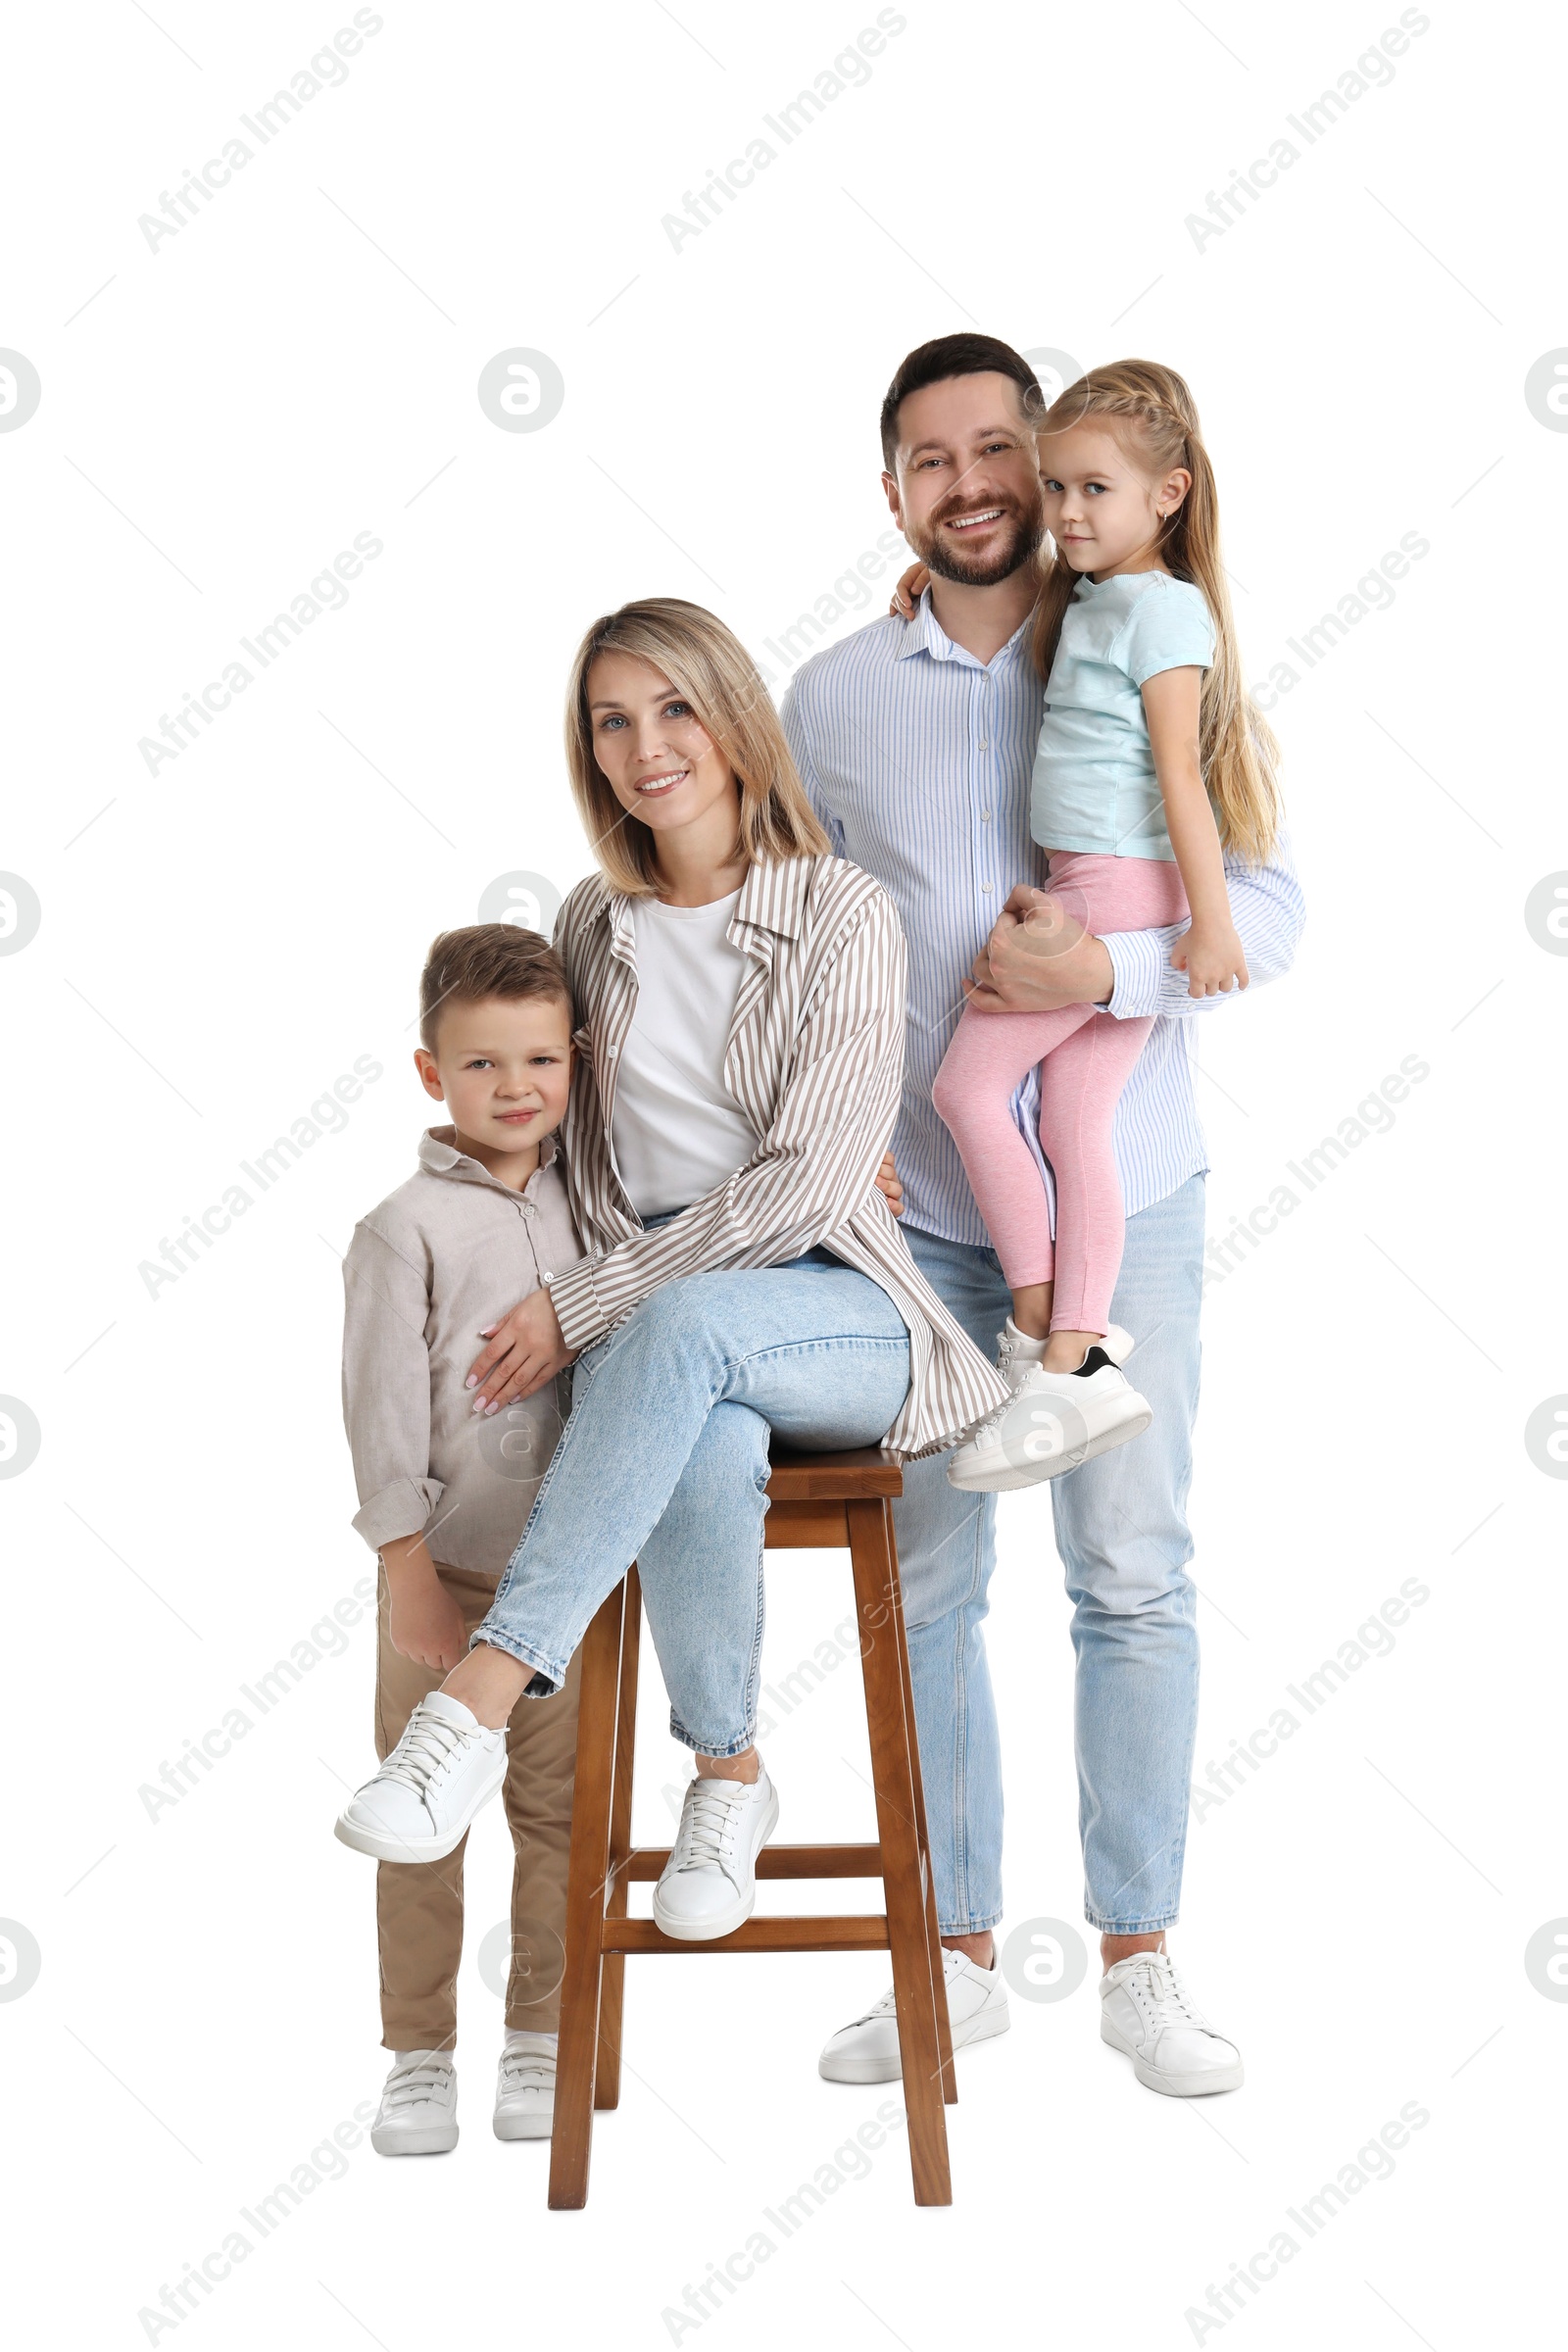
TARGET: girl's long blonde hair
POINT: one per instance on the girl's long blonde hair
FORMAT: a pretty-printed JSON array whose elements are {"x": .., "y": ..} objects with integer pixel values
[
  {"x": 1149, "y": 409},
  {"x": 710, "y": 669}
]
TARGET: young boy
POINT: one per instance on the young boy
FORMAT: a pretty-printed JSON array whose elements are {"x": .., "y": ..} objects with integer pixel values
[{"x": 444, "y": 1499}]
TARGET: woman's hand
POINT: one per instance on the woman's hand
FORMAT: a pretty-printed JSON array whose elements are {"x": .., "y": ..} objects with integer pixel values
[
  {"x": 911, "y": 586},
  {"x": 1210, "y": 954},
  {"x": 525, "y": 1351},
  {"x": 888, "y": 1185}
]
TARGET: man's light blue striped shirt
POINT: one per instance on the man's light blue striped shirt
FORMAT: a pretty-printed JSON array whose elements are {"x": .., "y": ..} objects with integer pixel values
[{"x": 918, "y": 757}]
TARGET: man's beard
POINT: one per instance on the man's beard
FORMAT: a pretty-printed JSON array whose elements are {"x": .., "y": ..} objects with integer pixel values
[{"x": 1022, "y": 535}]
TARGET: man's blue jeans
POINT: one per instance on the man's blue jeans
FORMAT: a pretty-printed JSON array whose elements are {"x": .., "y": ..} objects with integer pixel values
[{"x": 1121, "y": 1531}]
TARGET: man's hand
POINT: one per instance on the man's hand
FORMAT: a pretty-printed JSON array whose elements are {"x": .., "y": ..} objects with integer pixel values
[
  {"x": 888, "y": 1185},
  {"x": 524, "y": 1351},
  {"x": 1041, "y": 966},
  {"x": 426, "y": 1624}
]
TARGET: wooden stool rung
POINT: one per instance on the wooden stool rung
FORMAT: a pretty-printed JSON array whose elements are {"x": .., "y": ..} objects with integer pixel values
[
  {"x": 646, "y": 1862},
  {"x": 828, "y": 1932}
]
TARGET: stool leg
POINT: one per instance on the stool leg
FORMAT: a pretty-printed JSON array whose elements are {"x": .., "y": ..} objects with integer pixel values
[
  {"x": 933, "y": 1932},
  {"x": 597, "y": 1708},
  {"x": 612, "y": 1979},
  {"x": 876, "y": 1593}
]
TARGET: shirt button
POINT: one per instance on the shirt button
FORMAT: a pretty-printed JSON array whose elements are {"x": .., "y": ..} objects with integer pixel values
[
  {"x": 985, "y": 887},
  {"x": 985, "y": 816},
  {"x": 985, "y": 743}
]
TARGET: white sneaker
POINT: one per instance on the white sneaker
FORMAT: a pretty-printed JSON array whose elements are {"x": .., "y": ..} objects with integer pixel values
[
  {"x": 1055, "y": 1421},
  {"x": 709, "y": 1885},
  {"x": 420, "y": 1802},
  {"x": 418, "y": 2111},
  {"x": 1146, "y": 2013},
  {"x": 525, "y": 2086},
  {"x": 868, "y": 2050}
]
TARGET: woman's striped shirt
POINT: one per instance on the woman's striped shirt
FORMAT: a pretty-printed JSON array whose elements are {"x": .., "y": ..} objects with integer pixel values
[{"x": 815, "y": 1060}]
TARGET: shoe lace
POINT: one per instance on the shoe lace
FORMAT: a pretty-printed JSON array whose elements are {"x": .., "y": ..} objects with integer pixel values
[
  {"x": 426, "y": 1748},
  {"x": 426, "y": 2076},
  {"x": 887, "y": 2006},
  {"x": 987, "y": 1431},
  {"x": 707, "y": 1823},
  {"x": 1160, "y": 1995}
]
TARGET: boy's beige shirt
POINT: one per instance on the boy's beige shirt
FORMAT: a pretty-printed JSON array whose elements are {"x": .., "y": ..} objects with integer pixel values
[{"x": 447, "y": 1252}]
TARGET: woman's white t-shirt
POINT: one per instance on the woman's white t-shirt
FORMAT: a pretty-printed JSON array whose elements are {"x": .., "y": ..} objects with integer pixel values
[{"x": 676, "y": 1130}]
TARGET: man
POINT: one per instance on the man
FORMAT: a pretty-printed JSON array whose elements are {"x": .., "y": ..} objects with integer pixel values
[{"x": 916, "y": 741}]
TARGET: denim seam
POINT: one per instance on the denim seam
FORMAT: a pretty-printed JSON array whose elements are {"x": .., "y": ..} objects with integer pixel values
[{"x": 1175, "y": 1851}]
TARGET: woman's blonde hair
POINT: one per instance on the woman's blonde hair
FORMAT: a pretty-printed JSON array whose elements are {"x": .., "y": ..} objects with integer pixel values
[
  {"x": 711, "y": 669},
  {"x": 1149, "y": 409}
]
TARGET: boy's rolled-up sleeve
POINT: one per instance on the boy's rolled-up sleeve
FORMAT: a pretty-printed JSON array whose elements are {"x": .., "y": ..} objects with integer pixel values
[{"x": 386, "y": 1386}]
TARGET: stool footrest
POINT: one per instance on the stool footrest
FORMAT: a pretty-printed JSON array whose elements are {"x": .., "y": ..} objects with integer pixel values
[
  {"x": 832, "y": 1932},
  {"x": 646, "y": 1862}
]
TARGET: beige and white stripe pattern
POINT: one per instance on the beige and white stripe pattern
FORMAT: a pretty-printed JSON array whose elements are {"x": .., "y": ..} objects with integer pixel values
[{"x": 815, "y": 1060}]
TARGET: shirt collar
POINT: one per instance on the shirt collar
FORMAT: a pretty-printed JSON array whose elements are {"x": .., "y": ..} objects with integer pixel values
[
  {"x": 772, "y": 899},
  {"x": 924, "y": 634},
  {"x": 440, "y": 1156}
]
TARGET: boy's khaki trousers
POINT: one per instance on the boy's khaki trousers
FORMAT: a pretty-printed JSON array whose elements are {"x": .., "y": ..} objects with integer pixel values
[{"x": 419, "y": 1905}]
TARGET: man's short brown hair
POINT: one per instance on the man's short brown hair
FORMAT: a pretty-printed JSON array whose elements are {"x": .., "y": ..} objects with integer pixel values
[
  {"x": 936, "y": 363},
  {"x": 487, "y": 959}
]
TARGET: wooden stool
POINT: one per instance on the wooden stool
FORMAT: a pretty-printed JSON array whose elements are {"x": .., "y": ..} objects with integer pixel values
[{"x": 818, "y": 1502}]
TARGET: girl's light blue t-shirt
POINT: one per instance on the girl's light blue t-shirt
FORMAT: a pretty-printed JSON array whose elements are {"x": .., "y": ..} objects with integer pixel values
[{"x": 1094, "y": 785}]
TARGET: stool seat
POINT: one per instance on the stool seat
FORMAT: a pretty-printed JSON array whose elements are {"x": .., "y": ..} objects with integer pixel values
[{"x": 816, "y": 1502}]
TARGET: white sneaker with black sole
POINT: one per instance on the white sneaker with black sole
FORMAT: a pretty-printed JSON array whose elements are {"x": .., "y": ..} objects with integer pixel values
[
  {"x": 708, "y": 1885},
  {"x": 418, "y": 2111},
  {"x": 1147, "y": 2014},
  {"x": 525, "y": 2086},
  {"x": 868, "y": 2050},
  {"x": 1054, "y": 1423},
  {"x": 419, "y": 1804}
]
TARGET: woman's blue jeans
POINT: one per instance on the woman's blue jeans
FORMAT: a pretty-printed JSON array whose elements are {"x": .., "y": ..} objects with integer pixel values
[{"x": 664, "y": 1461}]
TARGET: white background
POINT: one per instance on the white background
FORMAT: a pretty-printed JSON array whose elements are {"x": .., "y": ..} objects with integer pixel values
[{"x": 219, "y": 939}]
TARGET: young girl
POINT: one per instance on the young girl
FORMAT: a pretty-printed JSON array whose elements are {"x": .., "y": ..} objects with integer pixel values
[{"x": 1151, "y": 763}]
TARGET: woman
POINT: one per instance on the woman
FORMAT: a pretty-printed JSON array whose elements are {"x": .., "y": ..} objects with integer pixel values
[{"x": 741, "y": 996}]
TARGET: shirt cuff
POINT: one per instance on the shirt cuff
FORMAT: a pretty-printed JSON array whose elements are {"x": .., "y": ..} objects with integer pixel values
[
  {"x": 579, "y": 1308},
  {"x": 401, "y": 1508},
  {"x": 1144, "y": 983}
]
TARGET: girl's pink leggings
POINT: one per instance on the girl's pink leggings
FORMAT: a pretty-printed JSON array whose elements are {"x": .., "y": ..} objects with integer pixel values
[{"x": 1085, "y": 1061}]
